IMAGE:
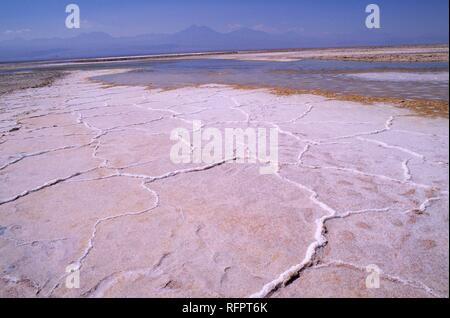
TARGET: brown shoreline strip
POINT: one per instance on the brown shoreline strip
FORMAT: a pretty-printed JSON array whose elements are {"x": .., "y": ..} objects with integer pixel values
[
  {"x": 423, "y": 107},
  {"x": 10, "y": 82}
]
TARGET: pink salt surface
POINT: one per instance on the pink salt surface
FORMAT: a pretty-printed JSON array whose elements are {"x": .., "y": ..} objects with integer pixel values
[{"x": 86, "y": 179}]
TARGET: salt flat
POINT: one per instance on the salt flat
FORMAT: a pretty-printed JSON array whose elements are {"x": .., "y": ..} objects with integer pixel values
[{"x": 86, "y": 179}]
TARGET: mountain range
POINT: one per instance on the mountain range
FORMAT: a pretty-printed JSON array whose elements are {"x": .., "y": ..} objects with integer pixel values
[{"x": 192, "y": 39}]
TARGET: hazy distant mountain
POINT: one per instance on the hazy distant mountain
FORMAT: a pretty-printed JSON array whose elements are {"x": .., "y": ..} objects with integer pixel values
[{"x": 194, "y": 38}]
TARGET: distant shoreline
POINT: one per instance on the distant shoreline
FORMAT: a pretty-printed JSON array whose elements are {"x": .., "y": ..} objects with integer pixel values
[{"x": 410, "y": 53}]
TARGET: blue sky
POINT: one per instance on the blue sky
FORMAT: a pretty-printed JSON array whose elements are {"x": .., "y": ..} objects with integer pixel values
[{"x": 45, "y": 18}]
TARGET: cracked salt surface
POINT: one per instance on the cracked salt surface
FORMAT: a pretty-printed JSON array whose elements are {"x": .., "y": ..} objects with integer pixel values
[{"x": 87, "y": 180}]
